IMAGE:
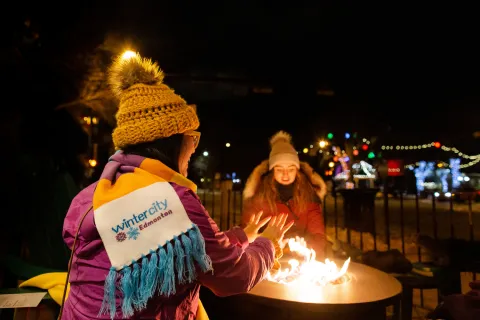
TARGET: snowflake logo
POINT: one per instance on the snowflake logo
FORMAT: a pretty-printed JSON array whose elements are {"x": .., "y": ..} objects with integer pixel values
[
  {"x": 133, "y": 233},
  {"x": 121, "y": 236}
]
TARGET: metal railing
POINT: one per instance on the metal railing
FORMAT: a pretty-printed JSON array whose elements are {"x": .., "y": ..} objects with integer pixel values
[{"x": 395, "y": 221}]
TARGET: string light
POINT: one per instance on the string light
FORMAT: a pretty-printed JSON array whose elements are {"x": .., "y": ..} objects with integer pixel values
[
  {"x": 435, "y": 144},
  {"x": 430, "y": 145},
  {"x": 455, "y": 167},
  {"x": 462, "y": 166}
]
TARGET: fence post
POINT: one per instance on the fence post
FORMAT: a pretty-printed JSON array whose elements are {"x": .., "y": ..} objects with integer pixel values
[
  {"x": 386, "y": 212},
  {"x": 226, "y": 187}
]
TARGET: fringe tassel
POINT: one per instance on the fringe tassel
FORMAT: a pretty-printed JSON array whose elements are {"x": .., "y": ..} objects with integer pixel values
[
  {"x": 168, "y": 282},
  {"x": 199, "y": 253},
  {"x": 152, "y": 271},
  {"x": 109, "y": 302},
  {"x": 190, "y": 273},
  {"x": 162, "y": 262},
  {"x": 128, "y": 292},
  {"x": 179, "y": 260},
  {"x": 159, "y": 273},
  {"x": 135, "y": 285},
  {"x": 143, "y": 293}
]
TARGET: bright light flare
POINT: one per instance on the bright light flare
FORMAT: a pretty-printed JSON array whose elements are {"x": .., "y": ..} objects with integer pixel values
[{"x": 128, "y": 55}]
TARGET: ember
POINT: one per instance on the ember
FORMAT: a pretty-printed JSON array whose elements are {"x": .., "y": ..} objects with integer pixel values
[{"x": 309, "y": 271}]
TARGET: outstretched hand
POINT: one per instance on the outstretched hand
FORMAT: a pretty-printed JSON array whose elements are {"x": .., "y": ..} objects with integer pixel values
[
  {"x": 277, "y": 228},
  {"x": 255, "y": 224}
]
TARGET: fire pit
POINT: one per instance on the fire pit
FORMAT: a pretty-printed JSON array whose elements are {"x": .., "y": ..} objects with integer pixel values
[
  {"x": 304, "y": 288},
  {"x": 311, "y": 289},
  {"x": 364, "y": 285}
]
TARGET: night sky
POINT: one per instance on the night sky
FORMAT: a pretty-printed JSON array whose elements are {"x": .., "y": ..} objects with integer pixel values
[{"x": 407, "y": 74}]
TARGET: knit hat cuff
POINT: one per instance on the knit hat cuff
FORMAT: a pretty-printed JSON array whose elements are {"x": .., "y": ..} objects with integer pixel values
[
  {"x": 153, "y": 128},
  {"x": 284, "y": 158}
]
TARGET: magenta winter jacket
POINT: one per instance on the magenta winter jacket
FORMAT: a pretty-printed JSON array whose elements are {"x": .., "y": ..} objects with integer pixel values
[{"x": 238, "y": 266}]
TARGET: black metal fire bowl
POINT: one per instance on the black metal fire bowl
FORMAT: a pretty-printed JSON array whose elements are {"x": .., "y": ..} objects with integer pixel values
[{"x": 365, "y": 295}]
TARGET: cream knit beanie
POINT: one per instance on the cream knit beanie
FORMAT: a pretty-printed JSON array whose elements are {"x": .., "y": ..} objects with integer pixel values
[{"x": 282, "y": 151}]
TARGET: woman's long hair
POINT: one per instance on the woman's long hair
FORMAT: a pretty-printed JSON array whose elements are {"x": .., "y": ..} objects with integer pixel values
[
  {"x": 166, "y": 150},
  {"x": 303, "y": 192}
]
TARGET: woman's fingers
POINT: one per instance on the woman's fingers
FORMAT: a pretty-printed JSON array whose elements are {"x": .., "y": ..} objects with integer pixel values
[
  {"x": 252, "y": 219},
  {"x": 263, "y": 222},
  {"x": 287, "y": 227},
  {"x": 259, "y": 215},
  {"x": 284, "y": 220},
  {"x": 273, "y": 221}
]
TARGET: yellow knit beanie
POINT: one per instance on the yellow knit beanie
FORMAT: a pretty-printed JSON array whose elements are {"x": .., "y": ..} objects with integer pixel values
[{"x": 148, "y": 109}]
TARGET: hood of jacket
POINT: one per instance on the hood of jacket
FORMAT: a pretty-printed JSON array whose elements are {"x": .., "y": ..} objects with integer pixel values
[{"x": 253, "y": 181}]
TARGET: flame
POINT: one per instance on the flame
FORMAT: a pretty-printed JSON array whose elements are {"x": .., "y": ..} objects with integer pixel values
[{"x": 309, "y": 271}]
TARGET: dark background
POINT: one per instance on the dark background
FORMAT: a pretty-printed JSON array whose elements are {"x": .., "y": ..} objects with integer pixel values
[{"x": 405, "y": 73}]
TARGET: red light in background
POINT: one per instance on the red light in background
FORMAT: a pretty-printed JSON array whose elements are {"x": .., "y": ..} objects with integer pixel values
[
  {"x": 335, "y": 158},
  {"x": 365, "y": 147},
  {"x": 355, "y": 152},
  {"x": 437, "y": 144}
]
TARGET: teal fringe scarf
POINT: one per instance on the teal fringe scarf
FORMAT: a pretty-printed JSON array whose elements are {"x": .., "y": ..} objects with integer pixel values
[{"x": 158, "y": 273}]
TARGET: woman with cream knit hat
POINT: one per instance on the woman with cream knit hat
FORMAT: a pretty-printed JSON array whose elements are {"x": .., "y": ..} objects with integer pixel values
[
  {"x": 283, "y": 184},
  {"x": 142, "y": 242}
]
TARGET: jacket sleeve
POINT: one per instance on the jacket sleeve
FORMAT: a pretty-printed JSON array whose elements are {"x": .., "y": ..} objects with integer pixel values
[
  {"x": 237, "y": 265},
  {"x": 316, "y": 230}
]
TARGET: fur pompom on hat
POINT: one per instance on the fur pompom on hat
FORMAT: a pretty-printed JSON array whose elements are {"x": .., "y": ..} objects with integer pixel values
[
  {"x": 282, "y": 151},
  {"x": 148, "y": 109}
]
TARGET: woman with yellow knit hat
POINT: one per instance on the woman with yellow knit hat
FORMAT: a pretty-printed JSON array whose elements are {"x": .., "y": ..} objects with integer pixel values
[{"x": 142, "y": 241}]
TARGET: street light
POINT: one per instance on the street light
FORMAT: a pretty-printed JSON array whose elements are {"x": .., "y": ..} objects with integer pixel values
[
  {"x": 322, "y": 144},
  {"x": 128, "y": 54},
  {"x": 227, "y": 144},
  {"x": 205, "y": 153}
]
